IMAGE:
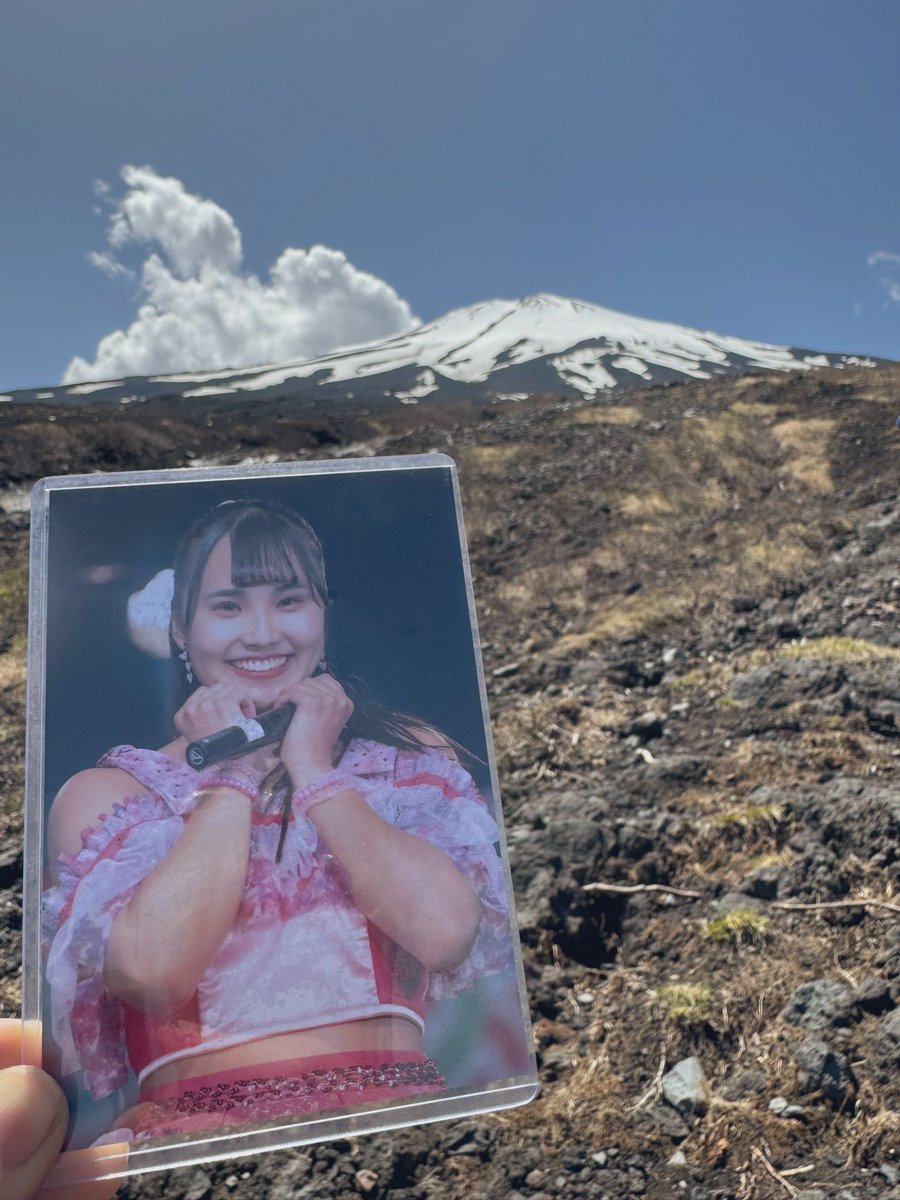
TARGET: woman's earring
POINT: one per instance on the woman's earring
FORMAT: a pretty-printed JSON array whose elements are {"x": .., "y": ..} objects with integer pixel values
[
  {"x": 322, "y": 665},
  {"x": 187, "y": 665}
]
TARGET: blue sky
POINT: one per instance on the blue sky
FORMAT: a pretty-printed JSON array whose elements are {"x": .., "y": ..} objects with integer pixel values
[{"x": 725, "y": 165}]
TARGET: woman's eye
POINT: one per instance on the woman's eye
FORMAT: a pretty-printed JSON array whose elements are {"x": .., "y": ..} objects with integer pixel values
[
  {"x": 290, "y": 601},
  {"x": 226, "y": 606}
]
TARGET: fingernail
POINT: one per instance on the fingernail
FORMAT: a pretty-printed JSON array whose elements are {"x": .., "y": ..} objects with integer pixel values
[{"x": 31, "y": 1108}]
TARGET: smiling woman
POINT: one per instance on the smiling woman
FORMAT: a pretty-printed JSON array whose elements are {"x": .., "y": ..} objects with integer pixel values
[{"x": 260, "y": 941}]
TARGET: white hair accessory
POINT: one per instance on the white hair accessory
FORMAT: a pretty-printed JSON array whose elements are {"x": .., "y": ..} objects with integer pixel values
[{"x": 150, "y": 614}]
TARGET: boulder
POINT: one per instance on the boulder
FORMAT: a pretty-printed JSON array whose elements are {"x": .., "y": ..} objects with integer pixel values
[
  {"x": 820, "y": 1003},
  {"x": 823, "y": 1069},
  {"x": 685, "y": 1087}
]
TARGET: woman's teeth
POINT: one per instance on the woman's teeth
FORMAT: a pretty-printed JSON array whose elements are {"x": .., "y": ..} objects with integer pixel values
[{"x": 259, "y": 664}]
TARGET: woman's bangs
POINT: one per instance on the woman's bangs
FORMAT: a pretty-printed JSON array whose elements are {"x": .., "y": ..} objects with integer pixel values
[{"x": 261, "y": 554}]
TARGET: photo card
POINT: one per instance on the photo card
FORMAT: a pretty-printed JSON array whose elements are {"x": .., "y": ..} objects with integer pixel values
[{"x": 267, "y": 895}]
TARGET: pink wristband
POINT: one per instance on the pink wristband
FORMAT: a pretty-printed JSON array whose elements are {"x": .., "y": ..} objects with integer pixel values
[
  {"x": 232, "y": 777},
  {"x": 321, "y": 789}
]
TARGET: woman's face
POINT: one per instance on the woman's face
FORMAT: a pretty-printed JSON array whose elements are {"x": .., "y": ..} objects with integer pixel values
[{"x": 260, "y": 638}]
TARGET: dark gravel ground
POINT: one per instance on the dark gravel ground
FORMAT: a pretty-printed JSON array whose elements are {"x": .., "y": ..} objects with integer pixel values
[{"x": 688, "y": 603}]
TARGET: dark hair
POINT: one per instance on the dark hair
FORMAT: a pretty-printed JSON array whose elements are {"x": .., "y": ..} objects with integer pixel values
[{"x": 268, "y": 542}]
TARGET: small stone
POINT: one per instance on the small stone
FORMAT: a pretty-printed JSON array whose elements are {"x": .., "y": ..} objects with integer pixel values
[
  {"x": 699, "y": 1192},
  {"x": 585, "y": 998},
  {"x": 601, "y": 1158},
  {"x": 811, "y": 1194},
  {"x": 198, "y": 1186},
  {"x": 231, "y": 1182},
  {"x": 777, "y": 1105},
  {"x": 678, "y": 1159},
  {"x": 685, "y": 1087},
  {"x": 366, "y": 1180},
  {"x": 890, "y": 1172}
]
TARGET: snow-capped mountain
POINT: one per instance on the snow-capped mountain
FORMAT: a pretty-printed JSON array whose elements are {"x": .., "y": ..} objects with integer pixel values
[{"x": 500, "y": 348}]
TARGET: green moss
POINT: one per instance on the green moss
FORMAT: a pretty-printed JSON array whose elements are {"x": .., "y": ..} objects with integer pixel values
[
  {"x": 741, "y": 925},
  {"x": 687, "y": 1003}
]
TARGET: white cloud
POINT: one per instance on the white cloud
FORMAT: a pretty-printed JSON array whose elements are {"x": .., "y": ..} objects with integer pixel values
[
  {"x": 200, "y": 310},
  {"x": 105, "y": 262},
  {"x": 887, "y": 266}
]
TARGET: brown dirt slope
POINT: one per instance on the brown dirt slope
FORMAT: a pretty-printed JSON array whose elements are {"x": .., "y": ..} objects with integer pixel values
[{"x": 689, "y": 605}]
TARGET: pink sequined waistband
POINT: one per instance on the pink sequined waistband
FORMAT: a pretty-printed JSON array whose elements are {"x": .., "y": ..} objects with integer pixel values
[{"x": 347, "y": 1079}]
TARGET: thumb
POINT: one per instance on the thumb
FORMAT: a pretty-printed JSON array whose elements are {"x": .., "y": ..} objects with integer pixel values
[{"x": 33, "y": 1119}]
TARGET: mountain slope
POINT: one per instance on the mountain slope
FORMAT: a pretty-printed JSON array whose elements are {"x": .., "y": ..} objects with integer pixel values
[{"x": 498, "y": 349}]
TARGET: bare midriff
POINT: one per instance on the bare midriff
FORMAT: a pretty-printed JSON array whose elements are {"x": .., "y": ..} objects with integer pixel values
[{"x": 372, "y": 1033}]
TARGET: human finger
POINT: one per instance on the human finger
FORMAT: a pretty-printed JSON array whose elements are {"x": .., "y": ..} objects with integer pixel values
[
  {"x": 207, "y": 710},
  {"x": 33, "y": 1119},
  {"x": 317, "y": 690},
  {"x": 20, "y": 1042}
]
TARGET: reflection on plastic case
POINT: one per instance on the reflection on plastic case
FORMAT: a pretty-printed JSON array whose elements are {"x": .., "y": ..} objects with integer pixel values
[{"x": 309, "y": 931}]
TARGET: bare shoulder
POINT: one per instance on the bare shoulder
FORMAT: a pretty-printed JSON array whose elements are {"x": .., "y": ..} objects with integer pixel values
[
  {"x": 433, "y": 739},
  {"x": 81, "y": 801}
]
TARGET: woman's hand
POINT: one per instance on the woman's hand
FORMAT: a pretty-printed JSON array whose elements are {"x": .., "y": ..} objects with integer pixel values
[
  {"x": 209, "y": 709},
  {"x": 323, "y": 708},
  {"x": 33, "y": 1119}
]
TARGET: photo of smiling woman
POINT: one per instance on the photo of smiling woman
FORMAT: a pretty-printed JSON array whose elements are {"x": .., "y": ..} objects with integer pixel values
[{"x": 261, "y": 940}]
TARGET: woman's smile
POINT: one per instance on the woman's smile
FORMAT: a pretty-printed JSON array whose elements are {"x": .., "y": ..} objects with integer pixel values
[{"x": 261, "y": 668}]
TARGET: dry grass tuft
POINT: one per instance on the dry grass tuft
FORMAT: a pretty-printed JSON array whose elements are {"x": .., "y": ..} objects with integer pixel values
[
  {"x": 553, "y": 734},
  {"x": 753, "y": 408},
  {"x": 13, "y": 604},
  {"x": 647, "y": 504},
  {"x": 783, "y": 555},
  {"x": 741, "y": 926},
  {"x": 736, "y": 1136},
  {"x": 841, "y": 649},
  {"x": 608, "y": 414},
  {"x": 807, "y": 445},
  {"x": 687, "y": 1003},
  {"x": 12, "y": 663},
  {"x": 752, "y": 819},
  {"x": 874, "y": 1138}
]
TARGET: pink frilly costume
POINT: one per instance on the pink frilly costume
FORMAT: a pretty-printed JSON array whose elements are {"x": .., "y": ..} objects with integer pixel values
[{"x": 300, "y": 954}]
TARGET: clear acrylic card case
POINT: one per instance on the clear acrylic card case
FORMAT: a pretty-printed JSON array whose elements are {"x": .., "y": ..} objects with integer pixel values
[{"x": 258, "y": 956}]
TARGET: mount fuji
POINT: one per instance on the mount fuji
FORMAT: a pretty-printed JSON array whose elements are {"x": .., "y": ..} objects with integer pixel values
[{"x": 499, "y": 349}]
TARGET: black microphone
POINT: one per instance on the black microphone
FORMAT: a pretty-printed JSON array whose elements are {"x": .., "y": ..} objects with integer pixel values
[{"x": 245, "y": 736}]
